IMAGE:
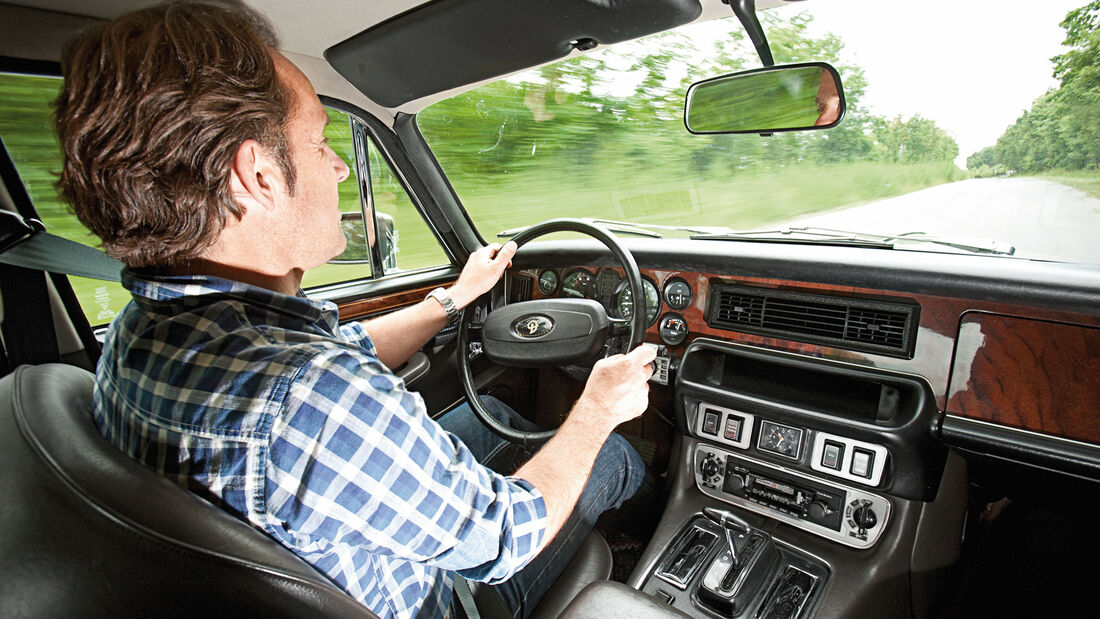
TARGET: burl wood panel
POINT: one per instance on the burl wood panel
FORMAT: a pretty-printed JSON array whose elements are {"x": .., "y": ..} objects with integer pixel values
[
  {"x": 376, "y": 305},
  {"x": 1029, "y": 374}
]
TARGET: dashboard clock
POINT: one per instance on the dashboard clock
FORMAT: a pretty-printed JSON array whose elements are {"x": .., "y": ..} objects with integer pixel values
[{"x": 779, "y": 439}]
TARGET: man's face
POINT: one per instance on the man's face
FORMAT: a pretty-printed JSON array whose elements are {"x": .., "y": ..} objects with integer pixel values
[{"x": 313, "y": 211}]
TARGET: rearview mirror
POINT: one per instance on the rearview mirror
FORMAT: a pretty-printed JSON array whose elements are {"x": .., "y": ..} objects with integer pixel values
[{"x": 793, "y": 97}]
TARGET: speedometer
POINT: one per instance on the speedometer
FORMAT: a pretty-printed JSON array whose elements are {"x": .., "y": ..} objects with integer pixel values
[{"x": 624, "y": 301}]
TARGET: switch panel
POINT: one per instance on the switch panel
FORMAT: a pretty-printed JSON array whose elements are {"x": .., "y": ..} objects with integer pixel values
[
  {"x": 848, "y": 458},
  {"x": 724, "y": 425}
]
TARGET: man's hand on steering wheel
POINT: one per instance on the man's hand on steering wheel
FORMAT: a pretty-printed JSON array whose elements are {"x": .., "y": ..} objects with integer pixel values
[{"x": 482, "y": 272}]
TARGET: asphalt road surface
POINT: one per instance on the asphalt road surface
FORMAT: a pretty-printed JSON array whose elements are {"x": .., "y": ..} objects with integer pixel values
[{"x": 1042, "y": 219}]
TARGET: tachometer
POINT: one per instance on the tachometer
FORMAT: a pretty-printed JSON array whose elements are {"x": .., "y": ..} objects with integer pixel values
[
  {"x": 578, "y": 284},
  {"x": 624, "y": 301}
]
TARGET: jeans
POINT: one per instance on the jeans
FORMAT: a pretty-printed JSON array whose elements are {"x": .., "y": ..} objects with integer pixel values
[{"x": 615, "y": 477}]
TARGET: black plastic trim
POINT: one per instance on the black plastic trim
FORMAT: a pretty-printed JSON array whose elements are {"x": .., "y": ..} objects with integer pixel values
[
  {"x": 917, "y": 458},
  {"x": 1028, "y": 448}
]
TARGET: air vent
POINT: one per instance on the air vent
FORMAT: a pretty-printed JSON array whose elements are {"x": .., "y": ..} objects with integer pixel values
[
  {"x": 520, "y": 289},
  {"x": 843, "y": 322}
]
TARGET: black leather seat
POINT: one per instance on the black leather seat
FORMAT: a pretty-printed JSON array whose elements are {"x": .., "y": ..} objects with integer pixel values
[{"x": 88, "y": 532}]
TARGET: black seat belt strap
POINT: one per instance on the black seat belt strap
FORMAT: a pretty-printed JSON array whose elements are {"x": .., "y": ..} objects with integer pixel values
[{"x": 466, "y": 598}]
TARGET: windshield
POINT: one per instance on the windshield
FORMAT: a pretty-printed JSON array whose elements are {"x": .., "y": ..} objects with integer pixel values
[{"x": 968, "y": 125}]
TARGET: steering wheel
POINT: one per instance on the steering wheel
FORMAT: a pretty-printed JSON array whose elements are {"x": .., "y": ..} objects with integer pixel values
[{"x": 549, "y": 332}]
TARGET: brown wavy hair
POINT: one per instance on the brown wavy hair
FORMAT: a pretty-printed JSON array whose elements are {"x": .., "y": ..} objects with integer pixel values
[{"x": 152, "y": 111}]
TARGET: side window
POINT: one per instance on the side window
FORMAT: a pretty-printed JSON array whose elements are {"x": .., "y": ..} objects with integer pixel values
[
  {"x": 354, "y": 263},
  {"x": 414, "y": 245},
  {"x": 407, "y": 243},
  {"x": 26, "y": 125}
]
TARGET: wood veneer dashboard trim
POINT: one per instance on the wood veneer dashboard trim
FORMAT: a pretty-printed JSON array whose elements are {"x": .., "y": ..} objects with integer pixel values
[
  {"x": 364, "y": 308},
  {"x": 1033, "y": 375},
  {"x": 933, "y": 355}
]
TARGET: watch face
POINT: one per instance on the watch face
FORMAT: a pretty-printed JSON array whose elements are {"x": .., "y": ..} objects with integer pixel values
[{"x": 779, "y": 439}]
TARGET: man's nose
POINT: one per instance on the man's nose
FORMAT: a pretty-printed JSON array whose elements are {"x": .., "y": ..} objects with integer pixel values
[{"x": 342, "y": 171}]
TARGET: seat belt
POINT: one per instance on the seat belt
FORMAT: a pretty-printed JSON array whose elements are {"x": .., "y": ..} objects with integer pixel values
[
  {"x": 27, "y": 253},
  {"x": 466, "y": 598},
  {"x": 25, "y": 243}
]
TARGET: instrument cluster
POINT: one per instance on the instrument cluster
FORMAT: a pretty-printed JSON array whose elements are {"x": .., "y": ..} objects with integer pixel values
[{"x": 611, "y": 290}]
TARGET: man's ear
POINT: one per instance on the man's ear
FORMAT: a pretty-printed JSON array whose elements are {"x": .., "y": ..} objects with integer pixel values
[{"x": 255, "y": 177}]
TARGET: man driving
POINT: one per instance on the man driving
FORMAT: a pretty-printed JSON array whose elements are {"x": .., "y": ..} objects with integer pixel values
[{"x": 196, "y": 152}]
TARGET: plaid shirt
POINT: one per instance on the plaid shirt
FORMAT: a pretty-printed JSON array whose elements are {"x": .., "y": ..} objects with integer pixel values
[{"x": 261, "y": 403}]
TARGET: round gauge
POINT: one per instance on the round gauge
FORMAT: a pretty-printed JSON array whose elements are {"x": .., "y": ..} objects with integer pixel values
[
  {"x": 673, "y": 329},
  {"x": 548, "y": 282},
  {"x": 780, "y": 439},
  {"x": 577, "y": 284},
  {"x": 677, "y": 294},
  {"x": 624, "y": 301}
]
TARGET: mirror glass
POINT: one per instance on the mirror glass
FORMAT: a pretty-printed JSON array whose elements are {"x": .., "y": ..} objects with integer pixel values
[
  {"x": 355, "y": 232},
  {"x": 361, "y": 238},
  {"x": 782, "y": 98}
]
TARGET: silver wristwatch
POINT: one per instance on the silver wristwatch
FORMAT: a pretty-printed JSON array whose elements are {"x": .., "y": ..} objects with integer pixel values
[{"x": 444, "y": 299}]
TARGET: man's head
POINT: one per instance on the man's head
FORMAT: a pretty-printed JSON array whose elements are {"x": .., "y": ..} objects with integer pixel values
[{"x": 154, "y": 108}]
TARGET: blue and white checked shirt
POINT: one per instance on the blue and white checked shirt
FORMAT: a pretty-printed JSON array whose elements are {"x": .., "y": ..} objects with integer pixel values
[{"x": 263, "y": 404}]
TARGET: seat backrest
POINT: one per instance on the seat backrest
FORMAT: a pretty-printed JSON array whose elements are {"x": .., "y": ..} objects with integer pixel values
[{"x": 86, "y": 531}]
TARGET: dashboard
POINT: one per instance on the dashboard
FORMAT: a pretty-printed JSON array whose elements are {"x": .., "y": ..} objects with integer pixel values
[{"x": 985, "y": 342}]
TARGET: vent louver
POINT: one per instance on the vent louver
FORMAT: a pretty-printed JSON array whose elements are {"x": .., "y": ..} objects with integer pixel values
[
  {"x": 855, "y": 324},
  {"x": 521, "y": 289}
]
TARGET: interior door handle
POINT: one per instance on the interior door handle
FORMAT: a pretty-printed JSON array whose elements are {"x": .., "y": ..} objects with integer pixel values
[{"x": 415, "y": 368}]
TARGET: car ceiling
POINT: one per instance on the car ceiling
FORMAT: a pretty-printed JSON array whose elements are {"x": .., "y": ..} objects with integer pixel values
[{"x": 309, "y": 29}]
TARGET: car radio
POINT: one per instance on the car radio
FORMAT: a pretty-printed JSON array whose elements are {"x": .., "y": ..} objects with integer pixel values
[{"x": 847, "y": 515}]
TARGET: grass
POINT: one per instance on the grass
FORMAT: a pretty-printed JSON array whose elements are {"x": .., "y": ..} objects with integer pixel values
[
  {"x": 745, "y": 200},
  {"x": 1087, "y": 181}
]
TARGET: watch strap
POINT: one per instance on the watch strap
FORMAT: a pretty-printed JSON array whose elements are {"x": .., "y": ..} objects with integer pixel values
[{"x": 444, "y": 299}]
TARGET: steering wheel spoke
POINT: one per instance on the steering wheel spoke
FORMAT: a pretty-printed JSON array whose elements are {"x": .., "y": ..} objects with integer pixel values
[{"x": 620, "y": 326}]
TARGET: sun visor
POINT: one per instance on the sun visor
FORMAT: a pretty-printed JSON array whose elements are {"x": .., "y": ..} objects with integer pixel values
[{"x": 450, "y": 43}]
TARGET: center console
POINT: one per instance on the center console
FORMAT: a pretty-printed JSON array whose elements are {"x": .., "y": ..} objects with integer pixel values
[
  {"x": 720, "y": 565},
  {"x": 831, "y": 463}
]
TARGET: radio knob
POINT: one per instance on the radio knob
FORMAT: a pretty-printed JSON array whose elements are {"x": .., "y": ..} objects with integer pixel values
[
  {"x": 817, "y": 510},
  {"x": 865, "y": 517},
  {"x": 735, "y": 482}
]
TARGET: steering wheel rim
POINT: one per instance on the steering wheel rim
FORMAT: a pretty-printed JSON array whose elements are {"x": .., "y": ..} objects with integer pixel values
[{"x": 637, "y": 322}]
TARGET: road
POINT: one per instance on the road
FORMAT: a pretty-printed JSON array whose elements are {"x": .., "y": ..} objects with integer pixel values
[{"x": 1042, "y": 219}]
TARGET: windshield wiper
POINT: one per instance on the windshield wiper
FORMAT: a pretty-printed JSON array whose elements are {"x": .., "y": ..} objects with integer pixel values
[
  {"x": 802, "y": 235},
  {"x": 829, "y": 236},
  {"x": 992, "y": 246},
  {"x": 629, "y": 227}
]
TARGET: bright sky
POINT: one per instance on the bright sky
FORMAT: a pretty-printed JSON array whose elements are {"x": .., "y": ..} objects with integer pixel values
[{"x": 972, "y": 66}]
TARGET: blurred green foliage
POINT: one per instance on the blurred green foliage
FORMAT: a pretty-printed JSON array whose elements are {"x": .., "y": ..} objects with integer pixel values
[
  {"x": 1060, "y": 131},
  {"x": 569, "y": 139}
]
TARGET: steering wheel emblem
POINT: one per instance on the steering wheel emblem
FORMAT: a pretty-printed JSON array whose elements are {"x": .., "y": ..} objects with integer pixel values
[{"x": 531, "y": 327}]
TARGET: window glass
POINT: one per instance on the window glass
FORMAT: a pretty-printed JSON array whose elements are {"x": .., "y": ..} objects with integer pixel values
[
  {"x": 26, "y": 125},
  {"x": 340, "y": 139},
  {"x": 415, "y": 246},
  {"x": 932, "y": 154}
]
